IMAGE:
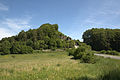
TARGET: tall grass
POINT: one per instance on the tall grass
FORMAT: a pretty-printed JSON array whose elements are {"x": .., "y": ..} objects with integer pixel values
[{"x": 56, "y": 66}]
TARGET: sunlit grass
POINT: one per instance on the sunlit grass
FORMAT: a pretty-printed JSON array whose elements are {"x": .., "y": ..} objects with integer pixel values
[{"x": 52, "y": 66}]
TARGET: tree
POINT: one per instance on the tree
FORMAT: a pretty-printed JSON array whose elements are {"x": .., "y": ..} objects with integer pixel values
[
  {"x": 22, "y": 36},
  {"x": 0, "y": 47},
  {"x": 47, "y": 36},
  {"x": 55, "y": 26},
  {"x": 103, "y": 39},
  {"x": 26, "y": 50},
  {"x": 30, "y": 43},
  {"x": 71, "y": 44},
  {"x": 16, "y": 48},
  {"x": 52, "y": 44},
  {"x": 36, "y": 45},
  {"x": 59, "y": 43},
  {"x": 5, "y": 47},
  {"x": 41, "y": 43}
]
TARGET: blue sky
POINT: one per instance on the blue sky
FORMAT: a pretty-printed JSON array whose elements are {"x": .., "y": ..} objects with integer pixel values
[{"x": 73, "y": 16}]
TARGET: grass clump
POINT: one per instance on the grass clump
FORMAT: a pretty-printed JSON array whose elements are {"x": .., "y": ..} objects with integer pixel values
[{"x": 58, "y": 65}]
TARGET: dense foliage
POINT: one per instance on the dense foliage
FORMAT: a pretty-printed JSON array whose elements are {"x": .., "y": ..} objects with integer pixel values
[
  {"x": 103, "y": 39},
  {"x": 46, "y": 36},
  {"x": 83, "y": 52},
  {"x": 109, "y": 52}
]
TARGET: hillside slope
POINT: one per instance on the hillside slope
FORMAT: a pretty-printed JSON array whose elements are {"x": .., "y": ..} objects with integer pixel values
[{"x": 46, "y": 36}]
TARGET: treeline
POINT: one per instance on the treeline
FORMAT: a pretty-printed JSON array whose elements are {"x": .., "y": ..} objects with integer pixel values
[
  {"x": 103, "y": 39},
  {"x": 46, "y": 36}
]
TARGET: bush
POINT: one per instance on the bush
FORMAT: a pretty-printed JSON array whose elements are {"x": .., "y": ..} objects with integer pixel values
[
  {"x": 83, "y": 53},
  {"x": 102, "y": 52},
  {"x": 53, "y": 49},
  {"x": 26, "y": 50},
  {"x": 79, "y": 55},
  {"x": 112, "y": 52},
  {"x": 1, "y": 53},
  {"x": 71, "y": 52},
  {"x": 88, "y": 58},
  {"x": 109, "y": 52},
  {"x": 18, "y": 48},
  {"x": 87, "y": 47},
  {"x": 37, "y": 51},
  {"x": 80, "y": 51}
]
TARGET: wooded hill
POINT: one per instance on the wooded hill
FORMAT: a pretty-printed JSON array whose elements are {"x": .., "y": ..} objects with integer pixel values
[
  {"x": 103, "y": 39},
  {"x": 46, "y": 36}
]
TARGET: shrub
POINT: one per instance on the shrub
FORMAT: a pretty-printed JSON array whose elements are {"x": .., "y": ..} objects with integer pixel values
[
  {"x": 109, "y": 52},
  {"x": 87, "y": 47},
  {"x": 53, "y": 49},
  {"x": 88, "y": 58},
  {"x": 26, "y": 50},
  {"x": 83, "y": 53},
  {"x": 79, "y": 52},
  {"x": 1, "y": 53},
  {"x": 102, "y": 52},
  {"x": 71, "y": 52},
  {"x": 112, "y": 52},
  {"x": 79, "y": 55},
  {"x": 37, "y": 51}
]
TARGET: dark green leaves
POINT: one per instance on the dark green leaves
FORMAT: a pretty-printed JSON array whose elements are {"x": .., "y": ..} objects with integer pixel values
[{"x": 103, "y": 39}]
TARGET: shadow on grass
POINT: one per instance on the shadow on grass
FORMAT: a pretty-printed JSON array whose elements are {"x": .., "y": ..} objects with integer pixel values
[
  {"x": 110, "y": 75},
  {"x": 80, "y": 78},
  {"x": 74, "y": 58}
]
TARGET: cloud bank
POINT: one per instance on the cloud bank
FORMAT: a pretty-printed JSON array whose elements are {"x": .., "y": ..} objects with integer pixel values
[{"x": 10, "y": 27}]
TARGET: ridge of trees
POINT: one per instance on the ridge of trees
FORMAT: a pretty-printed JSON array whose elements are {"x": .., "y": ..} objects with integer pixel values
[
  {"x": 102, "y": 39},
  {"x": 46, "y": 36}
]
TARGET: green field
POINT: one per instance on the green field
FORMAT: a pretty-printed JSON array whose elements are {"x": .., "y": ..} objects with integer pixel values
[{"x": 54, "y": 66}]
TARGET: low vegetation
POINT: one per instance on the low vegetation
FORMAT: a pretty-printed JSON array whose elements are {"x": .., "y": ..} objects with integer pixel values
[
  {"x": 109, "y": 52},
  {"x": 56, "y": 66},
  {"x": 83, "y": 52},
  {"x": 44, "y": 57}
]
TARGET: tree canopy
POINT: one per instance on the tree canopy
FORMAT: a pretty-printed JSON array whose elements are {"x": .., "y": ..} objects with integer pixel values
[
  {"x": 47, "y": 36},
  {"x": 103, "y": 39}
]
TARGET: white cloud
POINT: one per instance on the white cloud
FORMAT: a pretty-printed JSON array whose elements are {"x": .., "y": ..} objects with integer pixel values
[
  {"x": 3, "y": 7},
  {"x": 5, "y": 33},
  {"x": 105, "y": 16},
  {"x": 10, "y": 27},
  {"x": 17, "y": 24}
]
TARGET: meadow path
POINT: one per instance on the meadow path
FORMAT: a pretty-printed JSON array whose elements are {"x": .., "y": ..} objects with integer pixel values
[{"x": 108, "y": 56}]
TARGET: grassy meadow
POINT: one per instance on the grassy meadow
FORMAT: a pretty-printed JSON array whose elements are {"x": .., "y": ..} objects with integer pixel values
[{"x": 56, "y": 66}]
